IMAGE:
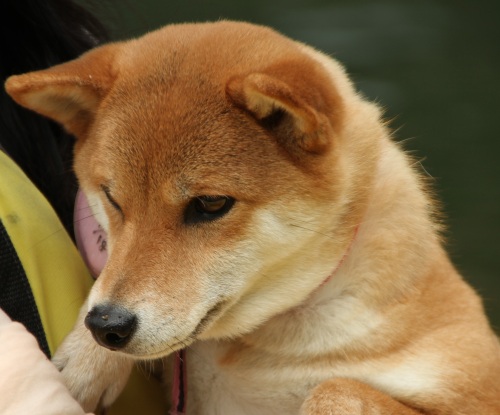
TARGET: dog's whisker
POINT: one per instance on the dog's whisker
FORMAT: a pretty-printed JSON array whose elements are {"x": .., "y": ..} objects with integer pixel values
[
  {"x": 146, "y": 368},
  {"x": 315, "y": 231},
  {"x": 85, "y": 217},
  {"x": 85, "y": 207}
]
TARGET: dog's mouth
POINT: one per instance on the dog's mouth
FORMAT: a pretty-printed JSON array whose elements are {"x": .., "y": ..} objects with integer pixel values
[
  {"x": 216, "y": 311},
  {"x": 210, "y": 317}
]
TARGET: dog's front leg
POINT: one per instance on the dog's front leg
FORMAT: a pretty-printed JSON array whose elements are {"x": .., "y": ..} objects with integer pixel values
[
  {"x": 93, "y": 374},
  {"x": 350, "y": 397}
]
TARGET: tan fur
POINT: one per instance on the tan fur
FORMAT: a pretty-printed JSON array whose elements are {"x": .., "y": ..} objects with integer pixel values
[{"x": 236, "y": 109}]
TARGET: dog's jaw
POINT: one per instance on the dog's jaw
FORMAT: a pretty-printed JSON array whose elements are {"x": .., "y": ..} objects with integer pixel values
[{"x": 296, "y": 258}]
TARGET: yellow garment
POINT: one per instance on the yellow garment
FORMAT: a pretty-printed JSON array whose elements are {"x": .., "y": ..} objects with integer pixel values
[{"x": 57, "y": 275}]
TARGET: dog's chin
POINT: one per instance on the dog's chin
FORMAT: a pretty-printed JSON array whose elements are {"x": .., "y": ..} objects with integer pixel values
[{"x": 157, "y": 353}]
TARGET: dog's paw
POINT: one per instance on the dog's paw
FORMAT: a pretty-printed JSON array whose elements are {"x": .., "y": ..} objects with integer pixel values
[
  {"x": 350, "y": 397},
  {"x": 94, "y": 375},
  {"x": 326, "y": 399}
]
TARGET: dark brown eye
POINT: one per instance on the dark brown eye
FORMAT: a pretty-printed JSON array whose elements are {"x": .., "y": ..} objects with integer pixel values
[
  {"x": 207, "y": 208},
  {"x": 208, "y": 204}
]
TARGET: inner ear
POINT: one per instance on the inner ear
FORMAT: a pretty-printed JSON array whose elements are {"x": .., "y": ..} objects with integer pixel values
[
  {"x": 284, "y": 126},
  {"x": 275, "y": 118},
  {"x": 280, "y": 109}
]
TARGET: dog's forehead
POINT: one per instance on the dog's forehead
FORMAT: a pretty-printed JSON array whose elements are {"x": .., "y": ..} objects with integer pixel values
[
  {"x": 169, "y": 97},
  {"x": 185, "y": 134}
]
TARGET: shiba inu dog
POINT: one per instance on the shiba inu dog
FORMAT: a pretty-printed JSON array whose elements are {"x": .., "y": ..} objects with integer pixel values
[{"x": 260, "y": 215}]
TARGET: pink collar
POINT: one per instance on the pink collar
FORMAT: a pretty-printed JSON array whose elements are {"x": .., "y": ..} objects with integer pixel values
[
  {"x": 346, "y": 253},
  {"x": 179, "y": 387}
]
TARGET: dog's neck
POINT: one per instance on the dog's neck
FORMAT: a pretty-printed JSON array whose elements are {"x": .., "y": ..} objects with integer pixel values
[{"x": 342, "y": 312}]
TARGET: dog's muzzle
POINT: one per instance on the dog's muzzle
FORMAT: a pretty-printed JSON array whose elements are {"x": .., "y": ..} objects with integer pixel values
[{"x": 112, "y": 326}]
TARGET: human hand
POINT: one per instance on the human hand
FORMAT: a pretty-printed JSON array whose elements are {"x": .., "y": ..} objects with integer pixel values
[{"x": 29, "y": 382}]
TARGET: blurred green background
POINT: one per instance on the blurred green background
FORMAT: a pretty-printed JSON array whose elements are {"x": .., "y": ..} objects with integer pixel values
[{"x": 433, "y": 65}]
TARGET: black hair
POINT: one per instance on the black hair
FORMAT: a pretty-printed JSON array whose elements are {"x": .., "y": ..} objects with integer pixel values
[{"x": 36, "y": 34}]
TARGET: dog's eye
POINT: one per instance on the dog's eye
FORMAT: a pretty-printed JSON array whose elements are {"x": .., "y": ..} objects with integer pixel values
[
  {"x": 207, "y": 208},
  {"x": 112, "y": 201}
]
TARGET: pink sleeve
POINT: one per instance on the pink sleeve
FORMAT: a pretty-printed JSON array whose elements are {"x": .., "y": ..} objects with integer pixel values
[{"x": 29, "y": 383}]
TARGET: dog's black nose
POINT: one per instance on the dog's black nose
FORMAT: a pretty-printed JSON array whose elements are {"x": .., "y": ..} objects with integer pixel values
[{"x": 111, "y": 326}]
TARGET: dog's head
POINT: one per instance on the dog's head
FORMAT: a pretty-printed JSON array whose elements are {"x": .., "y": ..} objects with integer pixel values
[{"x": 229, "y": 166}]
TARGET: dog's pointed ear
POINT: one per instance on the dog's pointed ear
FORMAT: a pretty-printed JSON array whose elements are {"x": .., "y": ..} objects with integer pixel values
[
  {"x": 68, "y": 93},
  {"x": 299, "y": 111}
]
